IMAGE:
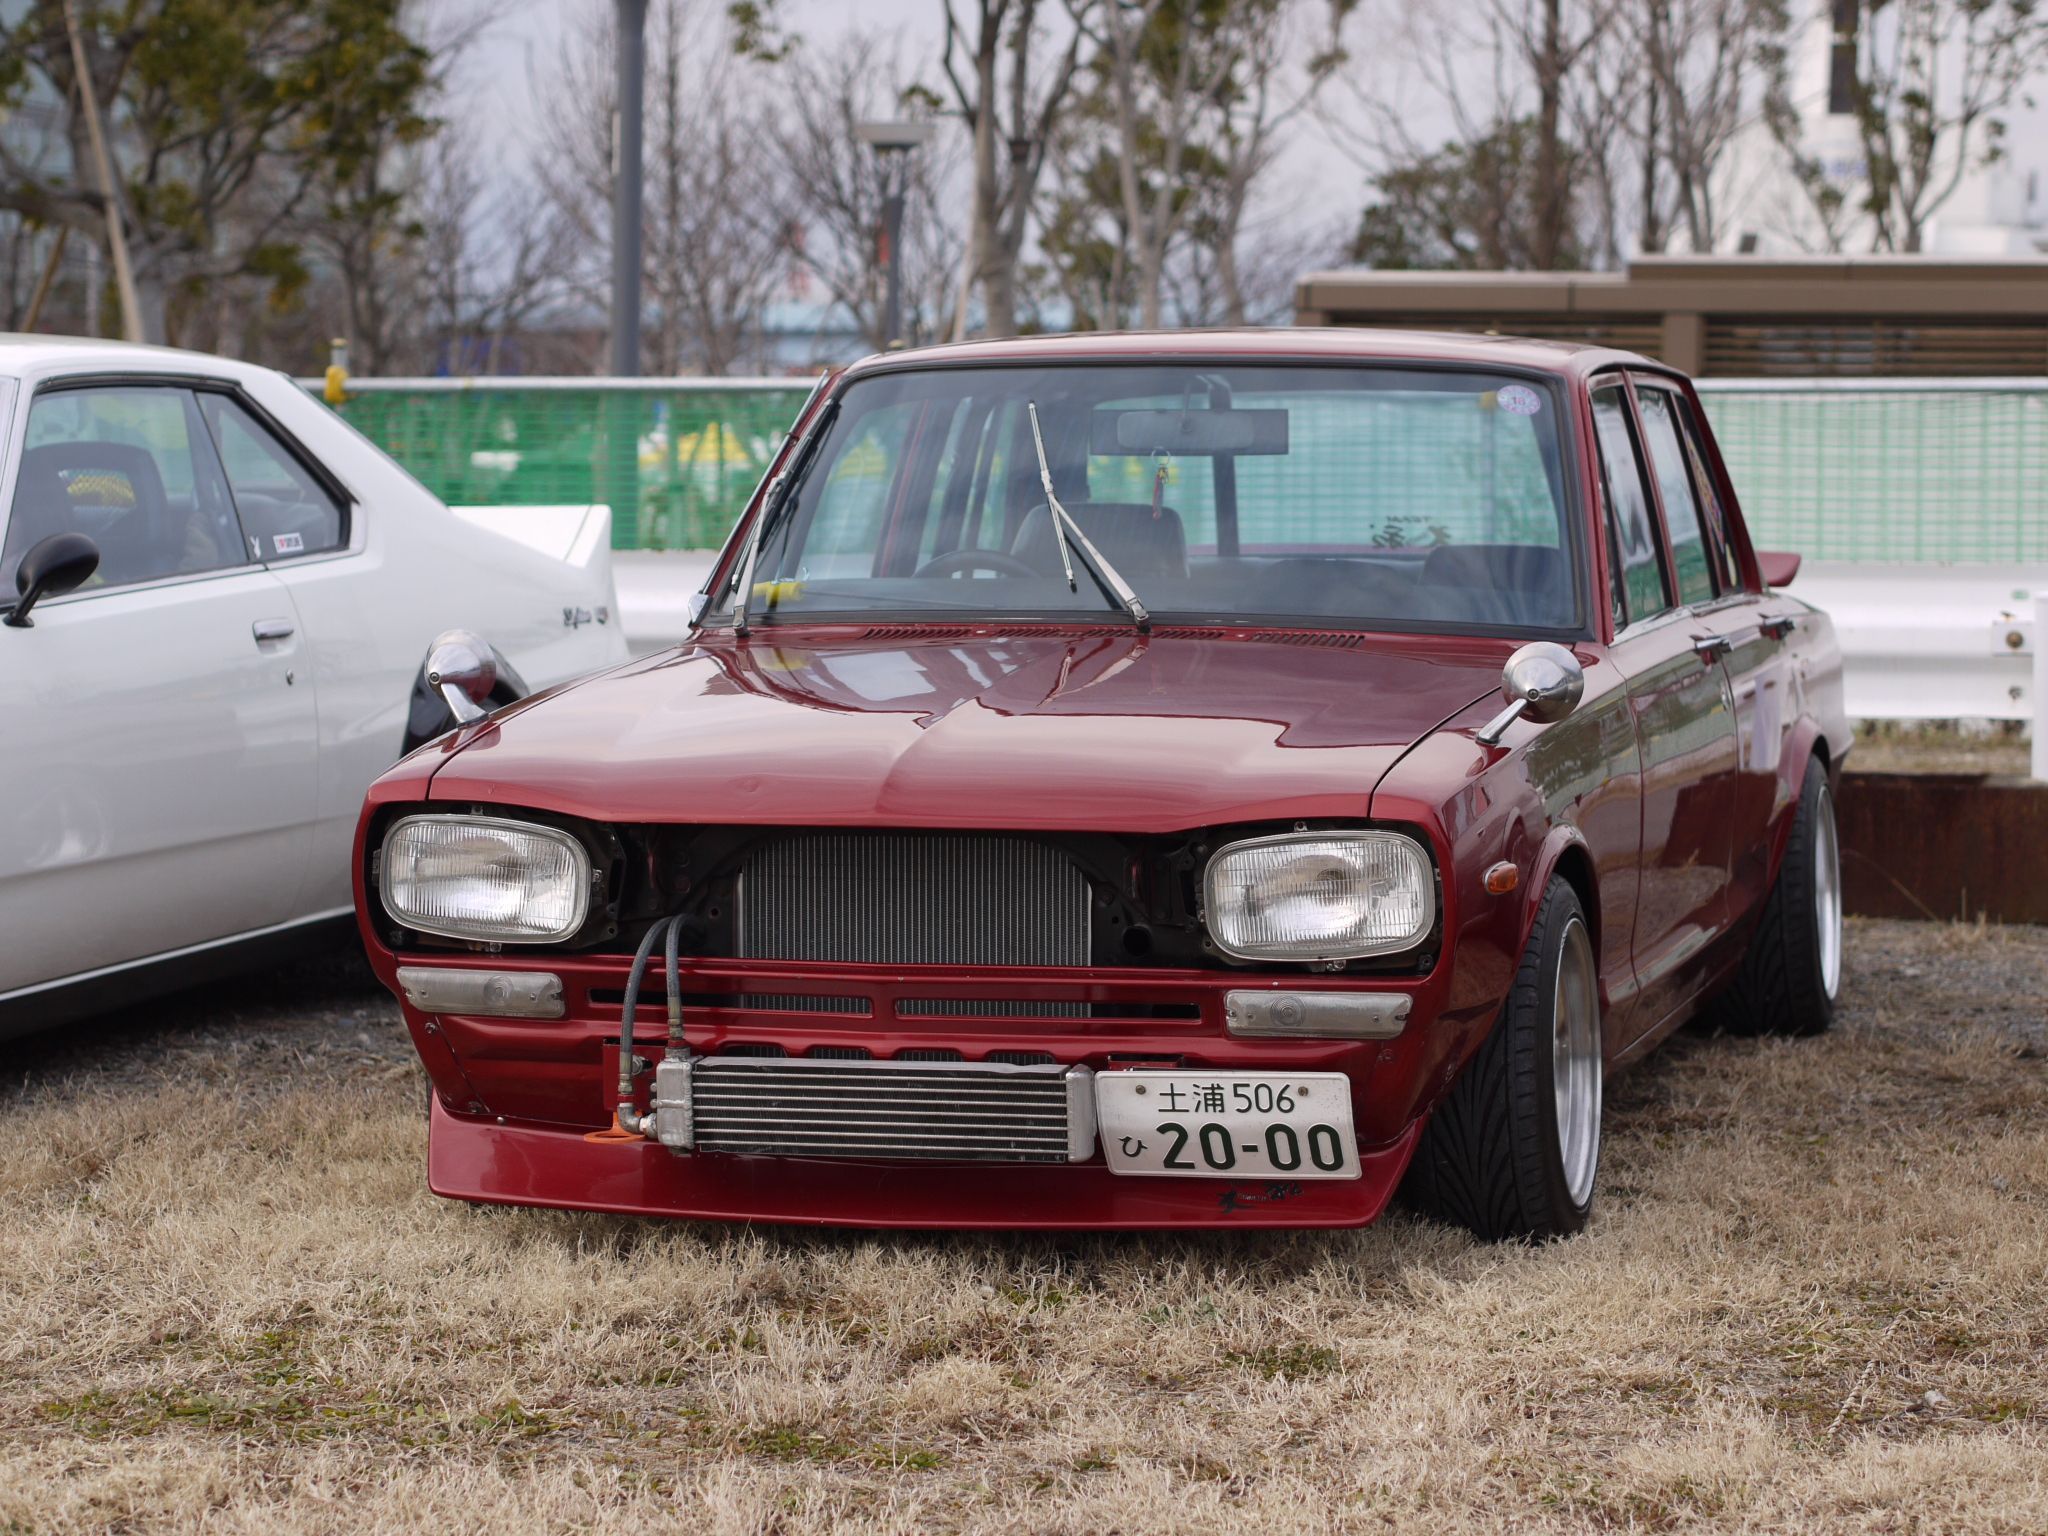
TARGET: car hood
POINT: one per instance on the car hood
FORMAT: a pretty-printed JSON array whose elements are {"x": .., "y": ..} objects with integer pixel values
[{"x": 1103, "y": 730}]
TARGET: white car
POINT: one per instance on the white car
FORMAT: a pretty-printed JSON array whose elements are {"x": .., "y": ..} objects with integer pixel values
[{"x": 224, "y": 598}]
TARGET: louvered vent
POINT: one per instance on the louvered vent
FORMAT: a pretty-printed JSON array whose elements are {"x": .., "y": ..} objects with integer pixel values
[{"x": 1887, "y": 348}]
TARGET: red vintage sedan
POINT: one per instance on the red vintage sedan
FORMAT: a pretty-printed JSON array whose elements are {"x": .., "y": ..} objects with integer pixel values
[{"x": 1139, "y": 781}]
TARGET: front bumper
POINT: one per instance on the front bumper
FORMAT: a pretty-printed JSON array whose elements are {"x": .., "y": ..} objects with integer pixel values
[{"x": 515, "y": 1097}]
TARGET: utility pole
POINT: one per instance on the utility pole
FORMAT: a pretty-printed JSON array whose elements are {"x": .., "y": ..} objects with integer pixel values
[
  {"x": 626, "y": 176},
  {"x": 622, "y": 408}
]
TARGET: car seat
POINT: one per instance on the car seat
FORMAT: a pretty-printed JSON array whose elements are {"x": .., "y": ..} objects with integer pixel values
[{"x": 1145, "y": 546}]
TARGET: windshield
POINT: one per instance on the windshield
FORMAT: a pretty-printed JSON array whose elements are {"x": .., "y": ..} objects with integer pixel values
[{"x": 1356, "y": 496}]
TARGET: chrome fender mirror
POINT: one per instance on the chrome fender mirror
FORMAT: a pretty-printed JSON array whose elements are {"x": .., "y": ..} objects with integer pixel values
[
  {"x": 463, "y": 668},
  {"x": 1542, "y": 682}
]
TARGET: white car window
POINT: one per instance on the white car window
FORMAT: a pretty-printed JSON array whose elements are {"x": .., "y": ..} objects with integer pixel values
[
  {"x": 129, "y": 467},
  {"x": 285, "y": 510}
]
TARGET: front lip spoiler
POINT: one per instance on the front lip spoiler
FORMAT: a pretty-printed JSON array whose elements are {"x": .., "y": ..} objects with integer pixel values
[{"x": 480, "y": 1160}]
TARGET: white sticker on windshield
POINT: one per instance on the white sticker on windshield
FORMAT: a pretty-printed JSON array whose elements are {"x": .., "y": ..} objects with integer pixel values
[
  {"x": 1519, "y": 400},
  {"x": 289, "y": 543}
]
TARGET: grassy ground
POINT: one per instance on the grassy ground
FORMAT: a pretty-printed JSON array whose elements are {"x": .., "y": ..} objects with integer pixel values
[{"x": 1813, "y": 1299}]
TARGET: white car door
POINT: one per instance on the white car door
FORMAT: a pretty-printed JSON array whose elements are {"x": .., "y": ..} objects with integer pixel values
[{"x": 158, "y": 753}]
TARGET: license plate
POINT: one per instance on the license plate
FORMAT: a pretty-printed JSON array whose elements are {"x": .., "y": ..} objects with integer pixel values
[{"x": 1227, "y": 1125}]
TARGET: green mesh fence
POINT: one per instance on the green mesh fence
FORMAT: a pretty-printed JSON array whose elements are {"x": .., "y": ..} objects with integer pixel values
[
  {"x": 1847, "y": 470},
  {"x": 1889, "y": 471},
  {"x": 675, "y": 460}
]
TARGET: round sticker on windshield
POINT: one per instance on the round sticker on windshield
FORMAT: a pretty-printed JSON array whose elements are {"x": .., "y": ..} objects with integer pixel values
[{"x": 1519, "y": 400}]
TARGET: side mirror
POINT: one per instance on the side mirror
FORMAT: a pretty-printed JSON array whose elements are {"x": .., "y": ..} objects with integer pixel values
[
  {"x": 1542, "y": 682},
  {"x": 1777, "y": 566},
  {"x": 58, "y": 564},
  {"x": 462, "y": 666}
]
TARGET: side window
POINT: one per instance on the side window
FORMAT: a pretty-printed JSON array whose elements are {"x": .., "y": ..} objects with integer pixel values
[
  {"x": 1642, "y": 566},
  {"x": 285, "y": 511},
  {"x": 1709, "y": 498},
  {"x": 130, "y": 468},
  {"x": 1692, "y": 553}
]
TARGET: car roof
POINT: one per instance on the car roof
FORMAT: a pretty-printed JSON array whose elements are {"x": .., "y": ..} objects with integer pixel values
[
  {"x": 25, "y": 356},
  {"x": 1276, "y": 345}
]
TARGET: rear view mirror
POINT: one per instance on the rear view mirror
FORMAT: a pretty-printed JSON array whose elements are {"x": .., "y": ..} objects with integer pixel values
[
  {"x": 1187, "y": 432},
  {"x": 1777, "y": 566},
  {"x": 61, "y": 563}
]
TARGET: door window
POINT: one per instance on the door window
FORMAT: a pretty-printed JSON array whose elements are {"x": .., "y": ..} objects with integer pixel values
[
  {"x": 1635, "y": 529},
  {"x": 119, "y": 465},
  {"x": 286, "y": 511},
  {"x": 1719, "y": 537},
  {"x": 1692, "y": 551}
]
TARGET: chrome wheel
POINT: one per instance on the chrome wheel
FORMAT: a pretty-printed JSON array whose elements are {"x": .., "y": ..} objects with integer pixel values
[
  {"x": 1575, "y": 1060},
  {"x": 1827, "y": 893}
]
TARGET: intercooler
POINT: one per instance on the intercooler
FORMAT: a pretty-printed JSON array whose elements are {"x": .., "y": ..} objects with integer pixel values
[
  {"x": 805, "y": 1107},
  {"x": 915, "y": 898}
]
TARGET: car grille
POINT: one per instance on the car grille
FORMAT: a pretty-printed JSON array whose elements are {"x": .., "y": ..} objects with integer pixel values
[
  {"x": 987, "y": 1112},
  {"x": 914, "y": 898}
]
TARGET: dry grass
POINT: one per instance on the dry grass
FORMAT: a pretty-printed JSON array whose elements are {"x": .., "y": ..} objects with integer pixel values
[
  {"x": 1996, "y": 747},
  {"x": 1813, "y": 1299}
]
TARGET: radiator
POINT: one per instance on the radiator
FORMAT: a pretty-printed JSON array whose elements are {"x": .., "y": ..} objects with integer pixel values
[{"x": 912, "y": 898}]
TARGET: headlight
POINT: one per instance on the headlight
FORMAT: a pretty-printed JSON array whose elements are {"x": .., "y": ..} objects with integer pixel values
[
  {"x": 479, "y": 877},
  {"x": 1319, "y": 896}
]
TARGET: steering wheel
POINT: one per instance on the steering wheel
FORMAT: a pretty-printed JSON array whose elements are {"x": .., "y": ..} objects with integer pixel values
[{"x": 954, "y": 561}]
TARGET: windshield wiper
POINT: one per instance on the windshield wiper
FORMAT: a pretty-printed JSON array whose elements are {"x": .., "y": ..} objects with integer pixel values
[
  {"x": 780, "y": 490},
  {"x": 1068, "y": 532}
]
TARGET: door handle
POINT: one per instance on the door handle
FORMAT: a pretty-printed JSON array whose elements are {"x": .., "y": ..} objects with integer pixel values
[
  {"x": 1711, "y": 648},
  {"x": 1777, "y": 625},
  {"x": 272, "y": 629}
]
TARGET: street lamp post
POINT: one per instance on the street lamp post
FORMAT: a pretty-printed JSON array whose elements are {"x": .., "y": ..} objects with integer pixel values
[
  {"x": 631, "y": 67},
  {"x": 892, "y": 143}
]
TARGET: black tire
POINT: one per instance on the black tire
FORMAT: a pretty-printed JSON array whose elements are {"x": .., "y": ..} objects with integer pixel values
[
  {"x": 1789, "y": 978},
  {"x": 1491, "y": 1158}
]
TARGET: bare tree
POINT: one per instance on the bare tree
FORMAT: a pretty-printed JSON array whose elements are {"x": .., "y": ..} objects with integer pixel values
[
  {"x": 1678, "y": 79},
  {"x": 1507, "y": 187},
  {"x": 1011, "y": 115},
  {"x": 490, "y": 260},
  {"x": 717, "y": 233},
  {"x": 1270, "y": 90},
  {"x": 836, "y": 186},
  {"x": 1162, "y": 63},
  {"x": 1510, "y": 185}
]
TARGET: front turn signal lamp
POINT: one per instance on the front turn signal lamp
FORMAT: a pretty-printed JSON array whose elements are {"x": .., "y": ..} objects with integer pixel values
[
  {"x": 485, "y": 878},
  {"x": 1313, "y": 896}
]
